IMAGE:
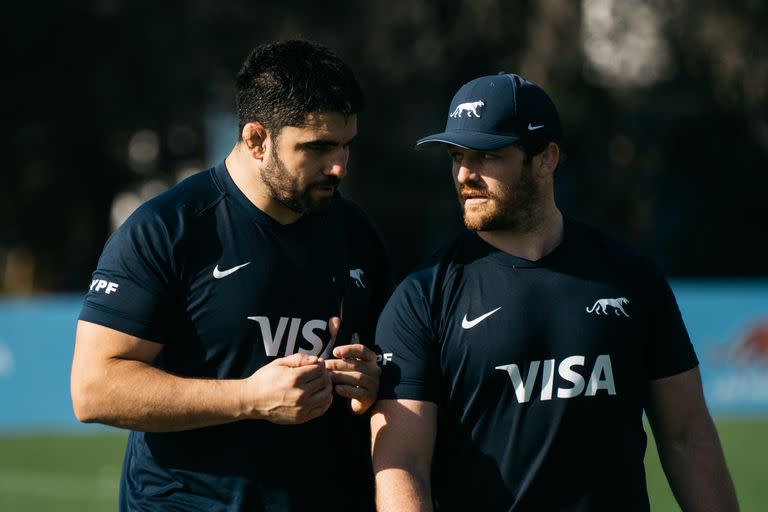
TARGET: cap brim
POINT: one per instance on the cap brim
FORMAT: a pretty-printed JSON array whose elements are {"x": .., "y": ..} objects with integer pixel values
[{"x": 470, "y": 140}]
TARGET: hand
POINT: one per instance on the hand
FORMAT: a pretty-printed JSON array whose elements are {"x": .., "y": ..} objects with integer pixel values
[
  {"x": 355, "y": 373},
  {"x": 289, "y": 390}
]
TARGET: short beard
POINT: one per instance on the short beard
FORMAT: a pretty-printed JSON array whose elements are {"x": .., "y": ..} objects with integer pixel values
[
  {"x": 514, "y": 208},
  {"x": 284, "y": 187}
]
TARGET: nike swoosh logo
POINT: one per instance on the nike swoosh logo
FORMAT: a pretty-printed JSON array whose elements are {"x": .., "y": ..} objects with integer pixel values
[
  {"x": 218, "y": 274},
  {"x": 468, "y": 324},
  {"x": 531, "y": 127}
]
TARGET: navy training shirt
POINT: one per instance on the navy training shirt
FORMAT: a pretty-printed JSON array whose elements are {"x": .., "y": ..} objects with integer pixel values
[
  {"x": 540, "y": 370},
  {"x": 226, "y": 289}
]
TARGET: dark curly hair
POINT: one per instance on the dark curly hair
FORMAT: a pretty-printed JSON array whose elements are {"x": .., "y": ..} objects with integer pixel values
[{"x": 281, "y": 83}]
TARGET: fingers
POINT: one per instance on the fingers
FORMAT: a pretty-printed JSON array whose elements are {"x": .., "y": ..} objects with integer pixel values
[
  {"x": 314, "y": 383},
  {"x": 311, "y": 400},
  {"x": 355, "y": 375},
  {"x": 310, "y": 408},
  {"x": 343, "y": 365},
  {"x": 317, "y": 402},
  {"x": 359, "y": 379},
  {"x": 305, "y": 367},
  {"x": 360, "y": 399},
  {"x": 365, "y": 382},
  {"x": 333, "y": 326},
  {"x": 291, "y": 390},
  {"x": 356, "y": 393},
  {"x": 367, "y": 367},
  {"x": 296, "y": 360},
  {"x": 320, "y": 409},
  {"x": 354, "y": 351},
  {"x": 304, "y": 375},
  {"x": 319, "y": 395}
]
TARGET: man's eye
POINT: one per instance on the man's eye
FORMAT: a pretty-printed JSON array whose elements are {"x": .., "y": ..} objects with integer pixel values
[
  {"x": 488, "y": 156},
  {"x": 319, "y": 148}
]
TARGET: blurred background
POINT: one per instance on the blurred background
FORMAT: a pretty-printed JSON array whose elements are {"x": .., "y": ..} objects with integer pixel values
[{"x": 109, "y": 102}]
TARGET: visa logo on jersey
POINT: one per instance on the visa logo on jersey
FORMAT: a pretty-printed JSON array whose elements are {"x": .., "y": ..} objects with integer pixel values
[
  {"x": 273, "y": 339},
  {"x": 571, "y": 370}
]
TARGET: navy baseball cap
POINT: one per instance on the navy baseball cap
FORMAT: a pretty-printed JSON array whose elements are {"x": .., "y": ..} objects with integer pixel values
[{"x": 494, "y": 111}]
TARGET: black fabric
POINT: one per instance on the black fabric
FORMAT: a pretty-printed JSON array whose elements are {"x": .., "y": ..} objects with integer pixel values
[{"x": 541, "y": 401}]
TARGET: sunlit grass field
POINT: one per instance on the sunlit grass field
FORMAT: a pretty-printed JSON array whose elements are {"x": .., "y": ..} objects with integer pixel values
[
  {"x": 46, "y": 472},
  {"x": 745, "y": 443}
]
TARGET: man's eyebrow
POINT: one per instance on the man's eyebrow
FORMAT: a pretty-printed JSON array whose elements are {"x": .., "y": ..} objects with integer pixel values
[{"x": 323, "y": 143}]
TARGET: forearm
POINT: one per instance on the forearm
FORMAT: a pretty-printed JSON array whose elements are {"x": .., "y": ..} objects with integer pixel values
[
  {"x": 402, "y": 439},
  {"x": 135, "y": 395},
  {"x": 401, "y": 490},
  {"x": 697, "y": 473}
]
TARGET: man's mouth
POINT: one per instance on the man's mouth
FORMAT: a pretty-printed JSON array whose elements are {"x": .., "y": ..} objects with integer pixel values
[
  {"x": 325, "y": 187},
  {"x": 472, "y": 197}
]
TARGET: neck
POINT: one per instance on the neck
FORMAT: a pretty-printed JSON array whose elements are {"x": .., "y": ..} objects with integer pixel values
[
  {"x": 245, "y": 171},
  {"x": 532, "y": 244}
]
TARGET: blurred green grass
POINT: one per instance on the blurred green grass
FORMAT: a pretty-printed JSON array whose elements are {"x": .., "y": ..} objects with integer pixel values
[
  {"x": 62, "y": 473},
  {"x": 746, "y": 453},
  {"x": 76, "y": 473}
]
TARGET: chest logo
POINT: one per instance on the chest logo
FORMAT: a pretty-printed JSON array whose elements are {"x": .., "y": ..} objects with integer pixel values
[
  {"x": 605, "y": 306},
  {"x": 357, "y": 275},
  {"x": 470, "y": 108},
  {"x": 219, "y": 274},
  {"x": 468, "y": 324},
  {"x": 572, "y": 372},
  {"x": 311, "y": 333}
]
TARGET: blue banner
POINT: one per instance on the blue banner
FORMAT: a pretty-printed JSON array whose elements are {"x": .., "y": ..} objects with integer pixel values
[
  {"x": 727, "y": 320},
  {"x": 37, "y": 337},
  {"x": 728, "y": 324}
]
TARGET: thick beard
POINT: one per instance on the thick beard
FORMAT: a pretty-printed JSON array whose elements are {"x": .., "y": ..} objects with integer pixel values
[
  {"x": 284, "y": 188},
  {"x": 514, "y": 208}
]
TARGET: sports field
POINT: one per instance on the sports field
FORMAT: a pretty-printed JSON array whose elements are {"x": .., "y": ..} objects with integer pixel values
[{"x": 43, "y": 473}]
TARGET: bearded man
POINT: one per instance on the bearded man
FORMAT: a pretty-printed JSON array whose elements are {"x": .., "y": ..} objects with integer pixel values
[
  {"x": 223, "y": 321},
  {"x": 502, "y": 390}
]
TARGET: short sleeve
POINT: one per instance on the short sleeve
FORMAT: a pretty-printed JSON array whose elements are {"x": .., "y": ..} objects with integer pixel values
[
  {"x": 130, "y": 289},
  {"x": 407, "y": 341},
  {"x": 671, "y": 349}
]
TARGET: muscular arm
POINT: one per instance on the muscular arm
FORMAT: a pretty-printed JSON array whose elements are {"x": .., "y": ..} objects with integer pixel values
[
  {"x": 114, "y": 382},
  {"x": 688, "y": 444},
  {"x": 403, "y": 437}
]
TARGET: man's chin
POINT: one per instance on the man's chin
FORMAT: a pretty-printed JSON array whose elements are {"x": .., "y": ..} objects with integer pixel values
[
  {"x": 320, "y": 205},
  {"x": 475, "y": 221}
]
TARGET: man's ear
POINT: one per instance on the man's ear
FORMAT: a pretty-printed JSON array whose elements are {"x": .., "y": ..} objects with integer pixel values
[
  {"x": 255, "y": 136},
  {"x": 548, "y": 160}
]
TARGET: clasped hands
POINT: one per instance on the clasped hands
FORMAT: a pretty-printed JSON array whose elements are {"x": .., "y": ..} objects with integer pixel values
[{"x": 299, "y": 387}]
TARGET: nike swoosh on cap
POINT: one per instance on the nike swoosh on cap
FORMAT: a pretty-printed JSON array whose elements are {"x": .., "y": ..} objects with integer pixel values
[
  {"x": 218, "y": 274},
  {"x": 468, "y": 324},
  {"x": 532, "y": 127}
]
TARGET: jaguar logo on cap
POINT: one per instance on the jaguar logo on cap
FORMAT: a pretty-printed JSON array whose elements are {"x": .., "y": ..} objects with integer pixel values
[{"x": 470, "y": 108}]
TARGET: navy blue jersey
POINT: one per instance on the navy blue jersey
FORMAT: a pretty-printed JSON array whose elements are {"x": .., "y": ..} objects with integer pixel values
[
  {"x": 540, "y": 370},
  {"x": 226, "y": 289}
]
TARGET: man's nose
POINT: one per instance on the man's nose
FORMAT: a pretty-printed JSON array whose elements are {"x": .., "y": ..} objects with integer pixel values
[
  {"x": 337, "y": 166},
  {"x": 466, "y": 171}
]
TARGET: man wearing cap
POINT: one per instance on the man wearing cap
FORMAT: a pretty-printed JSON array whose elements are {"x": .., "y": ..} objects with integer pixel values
[{"x": 520, "y": 360}]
